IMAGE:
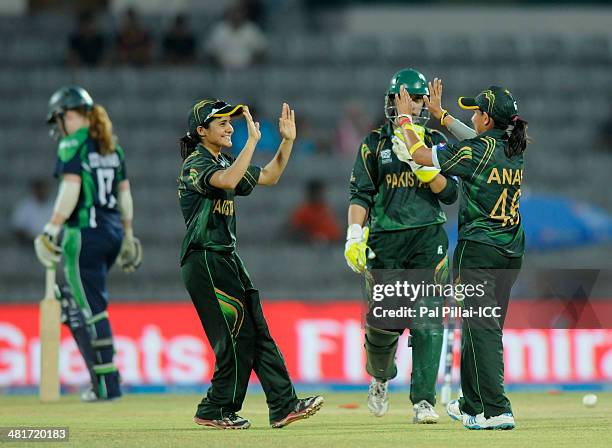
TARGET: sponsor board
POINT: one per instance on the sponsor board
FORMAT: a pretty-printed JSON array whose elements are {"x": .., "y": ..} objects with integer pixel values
[{"x": 163, "y": 343}]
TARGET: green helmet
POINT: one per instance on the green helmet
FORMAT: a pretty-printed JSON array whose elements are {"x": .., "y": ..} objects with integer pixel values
[
  {"x": 416, "y": 85},
  {"x": 65, "y": 98}
]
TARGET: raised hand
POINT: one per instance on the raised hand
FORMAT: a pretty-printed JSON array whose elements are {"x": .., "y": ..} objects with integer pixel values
[
  {"x": 403, "y": 103},
  {"x": 286, "y": 123},
  {"x": 252, "y": 126},
  {"x": 434, "y": 102}
]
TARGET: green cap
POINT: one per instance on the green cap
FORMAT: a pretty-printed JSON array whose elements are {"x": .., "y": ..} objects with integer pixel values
[
  {"x": 495, "y": 101},
  {"x": 206, "y": 110}
]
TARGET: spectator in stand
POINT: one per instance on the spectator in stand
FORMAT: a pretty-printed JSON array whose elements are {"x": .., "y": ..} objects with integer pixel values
[
  {"x": 32, "y": 212},
  {"x": 179, "y": 44},
  {"x": 236, "y": 43},
  {"x": 86, "y": 45},
  {"x": 314, "y": 220},
  {"x": 351, "y": 128},
  {"x": 134, "y": 45}
]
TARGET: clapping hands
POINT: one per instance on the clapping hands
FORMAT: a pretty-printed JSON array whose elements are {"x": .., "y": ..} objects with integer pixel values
[{"x": 286, "y": 123}]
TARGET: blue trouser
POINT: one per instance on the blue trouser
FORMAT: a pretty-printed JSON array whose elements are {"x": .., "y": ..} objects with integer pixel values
[{"x": 88, "y": 256}]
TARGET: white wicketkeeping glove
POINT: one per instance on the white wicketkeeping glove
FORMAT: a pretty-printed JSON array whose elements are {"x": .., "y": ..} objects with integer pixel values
[
  {"x": 130, "y": 255},
  {"x": 47, "y": 247}
]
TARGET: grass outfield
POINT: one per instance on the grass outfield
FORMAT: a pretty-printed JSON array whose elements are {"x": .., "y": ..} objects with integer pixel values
[{"x": 543, "y": 420}]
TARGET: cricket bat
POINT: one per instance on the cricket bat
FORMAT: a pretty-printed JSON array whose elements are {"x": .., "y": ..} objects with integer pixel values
[{"x": 49, "y": 332}]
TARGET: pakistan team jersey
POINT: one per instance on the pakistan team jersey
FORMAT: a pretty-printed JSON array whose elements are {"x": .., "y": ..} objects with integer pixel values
[
  {"x": 490, "y": 190},
  {"x": 100, "y": 175},
  {"x": 388, "y": 188},
  {"x": 208, "y": 211}
]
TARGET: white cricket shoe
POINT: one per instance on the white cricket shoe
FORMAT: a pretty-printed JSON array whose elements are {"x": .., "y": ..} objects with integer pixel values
[
  {"x": 453, "y": 411},
  {"x": 474, "y": 421},
  {"x": 88, "y": 395},
  {"x": 502, "y": 421},
  {"x": 378, "y": 401},
  {"x": 424, "y": 413}
]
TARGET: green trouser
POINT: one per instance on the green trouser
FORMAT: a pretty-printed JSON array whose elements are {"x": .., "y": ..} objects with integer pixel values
[
  {"x": 425, "y": 251},
  {"x": 482, "y": 351},
  {"x": 230, "y": 311}
]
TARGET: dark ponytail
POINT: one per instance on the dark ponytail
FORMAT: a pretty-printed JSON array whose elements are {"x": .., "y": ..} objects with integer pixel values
[
  {"x": 517, "y": 137},
  {"x": 188, "y": 144}
]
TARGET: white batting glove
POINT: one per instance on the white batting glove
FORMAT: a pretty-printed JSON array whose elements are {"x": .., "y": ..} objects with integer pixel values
[{"x": 47, "y": 247}]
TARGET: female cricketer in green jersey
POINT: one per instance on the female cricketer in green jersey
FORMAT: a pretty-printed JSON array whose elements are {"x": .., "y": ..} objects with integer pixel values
[
  {"x": 489, "y": 163},
  {"x": 226, "y": 301},
  {"x": 94, "y": 211},
  {"x": 402, "y": 207}
]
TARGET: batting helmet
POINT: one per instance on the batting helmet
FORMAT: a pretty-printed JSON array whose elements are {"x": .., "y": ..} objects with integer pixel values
[
  {"x": 416, "y": 85},
  {"x": 65, "y": 98}
]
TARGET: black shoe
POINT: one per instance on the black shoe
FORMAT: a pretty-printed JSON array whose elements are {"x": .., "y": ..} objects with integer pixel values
[
  {"x": 304, "y": 408},
  {"x": 230, "y": 421}
]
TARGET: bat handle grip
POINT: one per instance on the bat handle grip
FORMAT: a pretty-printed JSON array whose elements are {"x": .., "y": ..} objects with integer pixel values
[{"x": 50, "y": 282}]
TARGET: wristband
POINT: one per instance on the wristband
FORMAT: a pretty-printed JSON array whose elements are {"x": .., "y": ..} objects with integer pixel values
[
  {"x": 444, "y": 115},
  {"x": 416, "y": 146},
  {"x": 403, "y": 119}
]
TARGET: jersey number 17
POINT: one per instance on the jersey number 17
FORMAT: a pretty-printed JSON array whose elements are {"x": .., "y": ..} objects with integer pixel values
[{"x": 105, "y": 187}]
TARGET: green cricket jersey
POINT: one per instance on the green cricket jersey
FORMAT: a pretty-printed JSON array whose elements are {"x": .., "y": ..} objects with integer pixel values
[
  {"x": 388, "y": 188},
  {"x": 490, "y": 190},
  {"x": 208, "y": 211},
  {"x": 78, "y": 154}
]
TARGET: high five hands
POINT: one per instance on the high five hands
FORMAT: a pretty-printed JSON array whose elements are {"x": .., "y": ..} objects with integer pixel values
[
  {"x": 252, "y": 126},
  {"x": 403, "y": 104},
  {"x": 434, "y": 101},
  {"x": 286, "y": 123}
]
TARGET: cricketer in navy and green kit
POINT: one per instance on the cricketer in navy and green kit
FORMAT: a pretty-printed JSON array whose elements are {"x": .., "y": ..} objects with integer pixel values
[
  {"x": 406, "y": 232},
  {"x": 92, "y": 216},
  {"x": 91, "y": 242}
]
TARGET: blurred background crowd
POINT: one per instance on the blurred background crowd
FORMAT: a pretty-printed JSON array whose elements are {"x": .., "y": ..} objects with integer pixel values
[{"x": 147, "y": 61}]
